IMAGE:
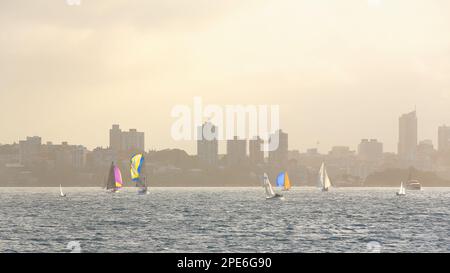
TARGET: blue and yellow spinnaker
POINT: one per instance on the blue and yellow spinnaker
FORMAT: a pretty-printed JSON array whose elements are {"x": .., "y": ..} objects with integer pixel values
[
  {"x": 137, "y": 162},
  {"x": 283, "y": 181}
]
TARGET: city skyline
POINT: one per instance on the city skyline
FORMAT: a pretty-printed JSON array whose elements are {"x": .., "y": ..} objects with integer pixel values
[
  {"x": 67, "y": 73},
  {"x": 390, "y": 144},
  {"x": 32, "y": 161},
  {"x": 408, "y": 128}
]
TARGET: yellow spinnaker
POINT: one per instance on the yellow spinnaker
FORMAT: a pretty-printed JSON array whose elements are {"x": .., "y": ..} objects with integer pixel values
[
  {"x": 136, "y": 166},
  {"x": 287, "y": 182}
]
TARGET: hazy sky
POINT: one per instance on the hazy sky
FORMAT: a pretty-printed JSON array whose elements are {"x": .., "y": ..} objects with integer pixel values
[{"x": 340, "y": 70}]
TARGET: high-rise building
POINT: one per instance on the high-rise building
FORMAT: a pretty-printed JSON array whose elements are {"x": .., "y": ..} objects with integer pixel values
[
  {"x": 29, "y": 149},
  {"x": 207, "y": 144},
  {"x": 280, "y": 154},
  {"x": 407, "y": 138},
  {"x": 444, "y": 139},
  {"x": 115, "y": 138},
  {"x": 256, "y": 152},
  {"x": 133, "y": 141},
  {"x": 126, "y": 141},
  {"x": 370, "y": 150},
  {"x": 78, "y": 156},
  {"x": 236, "y": 151}
]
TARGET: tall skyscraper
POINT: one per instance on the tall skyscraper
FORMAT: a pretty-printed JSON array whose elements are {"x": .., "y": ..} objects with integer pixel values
[
  {"x": 236, "y": 151},
  {"x": 256, "y": 154},
  {"x": 207, "y": 144},
  {"x": 407, "y": 138},
  {"x": 280, "y": 155},
  {"x": 126, "y": 141},
  {"x": 444, "y": 139},
  {"x": 370, "y": 150}
]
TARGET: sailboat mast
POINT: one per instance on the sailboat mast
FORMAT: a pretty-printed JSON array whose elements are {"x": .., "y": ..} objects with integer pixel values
[{"x": 144, "y": 177}]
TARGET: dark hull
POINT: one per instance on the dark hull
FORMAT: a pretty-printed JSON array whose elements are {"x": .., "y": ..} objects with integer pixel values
[
  {"x": 276, "y": 196},
  {"x": 143, "y": 191}
]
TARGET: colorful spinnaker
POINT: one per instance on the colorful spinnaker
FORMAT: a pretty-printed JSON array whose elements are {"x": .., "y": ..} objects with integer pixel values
[
  {"x": 118, "y": 177},
  {"x": 137, "y": 168},
  {"x": 137, "y": 161},
  {"x": 114, "y": 182},
  {"x": 283, "y": 181}
]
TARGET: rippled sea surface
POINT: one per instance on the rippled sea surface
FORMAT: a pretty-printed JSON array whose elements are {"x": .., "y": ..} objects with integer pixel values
[{"x": 224, "y": 220}]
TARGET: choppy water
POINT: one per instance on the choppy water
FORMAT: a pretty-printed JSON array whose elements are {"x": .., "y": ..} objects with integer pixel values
[{"x": 224, "y": 220}]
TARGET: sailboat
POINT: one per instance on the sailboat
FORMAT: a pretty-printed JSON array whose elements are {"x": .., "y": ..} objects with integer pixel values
[
  {"x": 283, "y": 181},
  {"x": 270, "y": 194},
  {"x": 324, "y": 180},
  {"x": 114, "y": 182},
  {"x": 61, "y": 193},
  {"x": 401, "y": 191},
  {"x": 137, "y": 173}
]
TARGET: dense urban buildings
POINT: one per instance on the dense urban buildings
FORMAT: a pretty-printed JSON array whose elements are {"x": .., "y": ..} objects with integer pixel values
[
  {"x": 256, "y": 151},
  {"x": 370, "y": 150},
  {"x": 29, "y": 149},
  {"x": 31, "y": 162},
  {"x": 236, "y": 151},
  {"x": 280, "y": 154}
]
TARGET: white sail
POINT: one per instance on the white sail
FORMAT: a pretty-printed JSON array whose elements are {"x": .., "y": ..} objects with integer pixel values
[
  {"x": 319, "y": 178},
  {"x": 324, "y": 181},
  {"x": 402, "y": 190},
  {"x": 268, "y": 187},
  {"x": 61, "y": 191},
  {"x": 327, "y": 183}
]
